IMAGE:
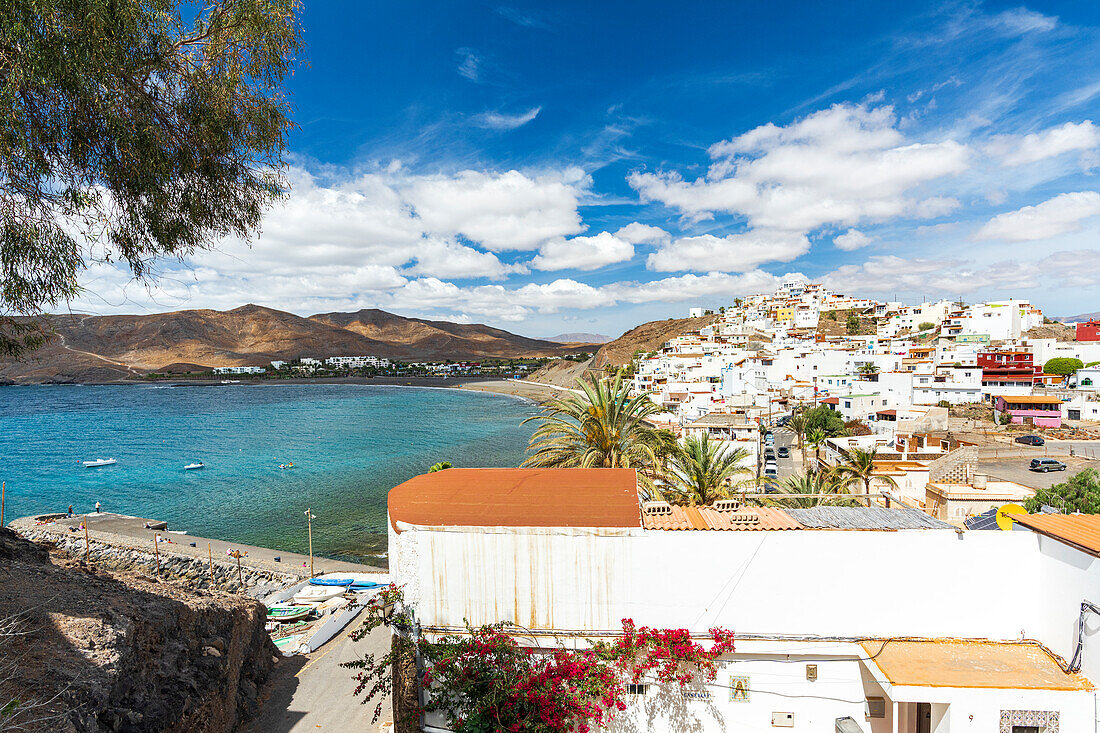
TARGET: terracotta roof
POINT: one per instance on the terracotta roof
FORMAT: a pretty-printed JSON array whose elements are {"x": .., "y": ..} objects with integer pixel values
[
  {"x": 887, "y": 412},
  {"x": 972, "y": 664},
  {"x": 1078, "y": 530},
  {"x": 830, "y": 401},
  {"x": 706, "y": 517},
  {"x": 1030, "y": 400},
  {"x": 519, "y": 497}
]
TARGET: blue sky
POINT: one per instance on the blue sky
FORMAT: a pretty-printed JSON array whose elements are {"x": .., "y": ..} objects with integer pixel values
[{"x": 589, "y": 166}]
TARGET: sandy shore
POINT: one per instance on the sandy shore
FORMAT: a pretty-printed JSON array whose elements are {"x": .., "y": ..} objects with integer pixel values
[{"x": 530, "y": 390}]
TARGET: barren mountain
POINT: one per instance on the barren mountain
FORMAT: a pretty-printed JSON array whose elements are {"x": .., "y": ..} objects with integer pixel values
[
  {"x": 579, "y": 338},
  {"x": 104, "y": 348},
  {"x": 646, "y": 337}
]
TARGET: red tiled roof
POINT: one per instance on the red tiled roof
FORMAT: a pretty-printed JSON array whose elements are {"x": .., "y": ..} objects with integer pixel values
[
  {"x": 1079, "y": 530},
  {"x": 887, "y": 412},
  {"x": 831, "y": 401},
  {"x": 706, "y": 517},
  {"x": 519, "y": 497}
]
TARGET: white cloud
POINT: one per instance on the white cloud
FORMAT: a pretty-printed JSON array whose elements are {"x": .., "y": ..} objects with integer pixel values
[
  {"x": 500, "y": 211},
  {"x": 733, "y": 253},
  {"x": 690, "y": 288},
  {"x": 636, "y": 233},
  {"x": 583, "y": 253},
  {"x": 1059, "y": 215},
  {"x": 851, "y": 240},
  {"x": 889, "y": 275},
  {"x": 501, "y": 121},
  {"x": 839, "y": 166},
  {"x": 451, "y": 259},
  {"x": 469, "y": 65},
  {"x": 1014, "y": 150},
  {"x": 1021, "y": 20}
]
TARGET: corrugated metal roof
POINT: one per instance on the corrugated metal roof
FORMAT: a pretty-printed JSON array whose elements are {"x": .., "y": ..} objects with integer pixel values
[
  {"x": 519, "y": 497},
  {"x": 1079, "y": 530},
  {"x": 707, "y": 517},
  {"x": 839, "y": 517}
]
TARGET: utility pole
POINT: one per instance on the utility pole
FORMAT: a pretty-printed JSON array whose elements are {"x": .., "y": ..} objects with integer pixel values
[
  {"x": 156, "y": 551},
  {"x": 210, "y": 558},
  {"x": 309, "y": 523},
  {"x": 238, "y": 555}
]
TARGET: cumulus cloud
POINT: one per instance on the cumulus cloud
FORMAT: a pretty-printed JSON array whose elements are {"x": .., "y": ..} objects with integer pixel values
[
  {"x": 888, "y": 274},
  {"x": 500, "y": 211},
  {"x": 1015, "y": 150},
  {"x": 1060, "y": 215},
  {"x": 583, "y": 253},
  {"x": 501, "y": 121},
  {"x": 851, "y": 240},
  {"x": 733, "y": 253},
  {"x": 636, "y": 233},
  {"x": 839, "y": 166}
]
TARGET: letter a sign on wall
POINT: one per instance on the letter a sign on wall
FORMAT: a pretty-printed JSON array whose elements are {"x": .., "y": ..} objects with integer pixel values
[{"x": 739, "y": 689}]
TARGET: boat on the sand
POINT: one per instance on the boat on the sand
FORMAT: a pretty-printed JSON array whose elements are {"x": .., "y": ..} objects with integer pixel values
[{"x": 288, "y": 613}]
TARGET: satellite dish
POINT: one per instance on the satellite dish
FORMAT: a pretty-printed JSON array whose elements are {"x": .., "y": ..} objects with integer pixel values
[{"x": 1004, "y": 521}]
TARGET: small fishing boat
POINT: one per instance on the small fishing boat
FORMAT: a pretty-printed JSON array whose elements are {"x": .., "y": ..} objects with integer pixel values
[
  {"x": 287, "y": 641},
  {"x": 318, "y": 593},
  {"x": 288, "y": 613},
  {"x": 193, "y": 466},
  {"x": 98, "y": 462},
  {"x": 345, "y": 582}
]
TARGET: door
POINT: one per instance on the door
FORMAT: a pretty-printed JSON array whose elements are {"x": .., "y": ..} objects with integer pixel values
[{"x": 924, "y": 717}]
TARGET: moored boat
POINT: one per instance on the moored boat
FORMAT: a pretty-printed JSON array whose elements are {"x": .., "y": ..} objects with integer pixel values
[
  {"x": 193, "y": 466},
  {"x": 98, "y": 462}
]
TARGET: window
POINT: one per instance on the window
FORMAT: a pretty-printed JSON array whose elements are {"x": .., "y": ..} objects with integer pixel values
[{"x": 636, "y": 689}]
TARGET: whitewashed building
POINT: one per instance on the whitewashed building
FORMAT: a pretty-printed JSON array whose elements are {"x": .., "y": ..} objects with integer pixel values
[{"x": 856, "y": 620}]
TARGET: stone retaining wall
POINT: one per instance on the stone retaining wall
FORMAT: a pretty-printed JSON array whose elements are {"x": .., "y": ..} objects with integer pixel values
[{"x": 190, "y": 571}]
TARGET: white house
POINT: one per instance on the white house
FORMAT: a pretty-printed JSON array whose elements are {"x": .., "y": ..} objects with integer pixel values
[
  {"x": 848, "y": 619},
  {"x": 240, "y": 370}
]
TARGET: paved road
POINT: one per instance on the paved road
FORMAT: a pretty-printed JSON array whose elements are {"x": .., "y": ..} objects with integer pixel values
[
  {"x": 1016, "y": 469},
  {"x": 314, "y": 693}
]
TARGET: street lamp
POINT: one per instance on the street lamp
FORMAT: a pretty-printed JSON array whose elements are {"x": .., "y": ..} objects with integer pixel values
[{"x": 309, "y": 522}]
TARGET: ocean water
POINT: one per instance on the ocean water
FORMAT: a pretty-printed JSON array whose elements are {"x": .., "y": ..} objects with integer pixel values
[{"x": 350, "y": 444}]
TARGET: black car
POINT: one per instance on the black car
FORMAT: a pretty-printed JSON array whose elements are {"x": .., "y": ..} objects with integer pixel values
[
  {"x": 1030, "y": 440},
  {"x": 1043, "y": 465},
  {"x": 784, "y": 452}
]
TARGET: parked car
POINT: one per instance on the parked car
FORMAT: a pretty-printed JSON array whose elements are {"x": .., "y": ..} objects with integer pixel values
[
  {"x": 784, "y": 452},
  {"x": 771, "y": 471},
  {"x": 1043, "y": 465},
  {"x": 1030, "y": 440}
]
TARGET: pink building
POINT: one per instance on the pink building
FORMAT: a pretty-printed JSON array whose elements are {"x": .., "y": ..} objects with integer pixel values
[{"x": 1030, "y": 410}]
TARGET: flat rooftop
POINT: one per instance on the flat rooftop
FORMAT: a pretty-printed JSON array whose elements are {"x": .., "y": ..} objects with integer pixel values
[{"x": 970, "y": 664}]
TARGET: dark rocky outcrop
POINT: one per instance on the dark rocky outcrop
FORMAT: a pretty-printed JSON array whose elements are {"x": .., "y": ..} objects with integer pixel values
[{"x": 103, "y": 651}]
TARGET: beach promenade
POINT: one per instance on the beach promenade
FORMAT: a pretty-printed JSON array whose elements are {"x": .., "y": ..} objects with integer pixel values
[{"x": 131, "y": 533}]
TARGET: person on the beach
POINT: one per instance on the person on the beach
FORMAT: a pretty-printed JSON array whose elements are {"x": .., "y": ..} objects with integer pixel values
[
  {"x": 97, "y": 507},
  {"x": 70, "y": 510}
]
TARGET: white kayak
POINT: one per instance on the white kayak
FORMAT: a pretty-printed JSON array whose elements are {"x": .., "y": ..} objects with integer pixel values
[
  {"x": 193, "y": 466},
  {"x": 98, "y": 462},
  {"x": 318, "y": 593}
]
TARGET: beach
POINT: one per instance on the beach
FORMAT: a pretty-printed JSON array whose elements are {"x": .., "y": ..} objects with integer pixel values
[{"x": 531, "y": 390}]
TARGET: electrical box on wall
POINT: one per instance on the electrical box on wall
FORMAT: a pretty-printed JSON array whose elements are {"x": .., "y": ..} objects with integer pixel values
[
  {"x": 811, "y": 672},
  {"x": 782, "y": 720}
]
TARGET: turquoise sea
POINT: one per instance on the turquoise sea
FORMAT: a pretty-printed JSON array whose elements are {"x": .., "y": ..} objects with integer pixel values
[{"x": 350, "y": 444}]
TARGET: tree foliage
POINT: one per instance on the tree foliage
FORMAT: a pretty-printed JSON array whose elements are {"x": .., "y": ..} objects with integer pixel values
[
  {"x": 858, "y": 469},
  {"x": 132, "y": 131},
  {"x": 700, "y": 469},
  {"x": 1081, "y": 493},
  {"x": 441, "y": 466},
  {"x": 825, "y": 419},
  {"x": 926, "y": 326},
  {"x": 797, "y": 491},
  {"x": 602, "y": 427},
  {"x": 853, "y": 324},
  {"x": 1063, "y": 365}
]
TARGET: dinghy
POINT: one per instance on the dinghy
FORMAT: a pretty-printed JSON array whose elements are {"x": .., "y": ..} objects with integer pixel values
[
  {"x": 354, "y": 581},
  {"x": 288, "y": 613},
  {"x": 318, "y": 593},
  {"x": 322, "y": 580},
  {"x": 193, "y": 466},
  {"x": 98, "y": 462}
]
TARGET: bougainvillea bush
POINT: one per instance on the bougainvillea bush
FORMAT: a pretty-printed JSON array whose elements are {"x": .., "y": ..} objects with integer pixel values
[{"x": 485, "y": 681}]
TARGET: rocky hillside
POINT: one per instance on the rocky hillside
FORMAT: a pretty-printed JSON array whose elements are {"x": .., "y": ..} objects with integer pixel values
[
  {"x": 88, "y": 650},
  {"x": 105, "y": 348},
  {"x": 646, "y": 337}
]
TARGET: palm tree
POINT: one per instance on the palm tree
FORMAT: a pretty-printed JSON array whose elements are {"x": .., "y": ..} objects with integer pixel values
[
  {"x": 601, "y": 427},
  {"x": 795, "y": 489},
  {"x": 441, "y": 466},
  {"x": 702, "y": 468},
  {"x": 868, "y": 369},
  {"x": 858, "y": 469},
  {"x": 797, "y": 424},
  {"x": 816, "y": 437}
]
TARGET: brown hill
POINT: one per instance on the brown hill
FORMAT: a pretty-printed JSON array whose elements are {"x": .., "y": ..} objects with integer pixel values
[
  {"x": 424, "y": 339},
  {"x": 106, "y": 348},
  {"x": 646, "y": 337}
]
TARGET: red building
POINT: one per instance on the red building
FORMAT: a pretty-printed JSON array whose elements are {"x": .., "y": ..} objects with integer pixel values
[
  {"x": 1009, "y": 368},
  {"x": 1088, "y": 331}
]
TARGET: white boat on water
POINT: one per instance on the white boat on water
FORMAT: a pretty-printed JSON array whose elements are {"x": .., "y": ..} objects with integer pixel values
[
  {"x": 98, "y": 462},
  {"x": 193, "y": 466}
]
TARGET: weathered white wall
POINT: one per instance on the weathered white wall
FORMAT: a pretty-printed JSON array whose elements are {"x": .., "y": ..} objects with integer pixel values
[{"x": 858, "y": 583}]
